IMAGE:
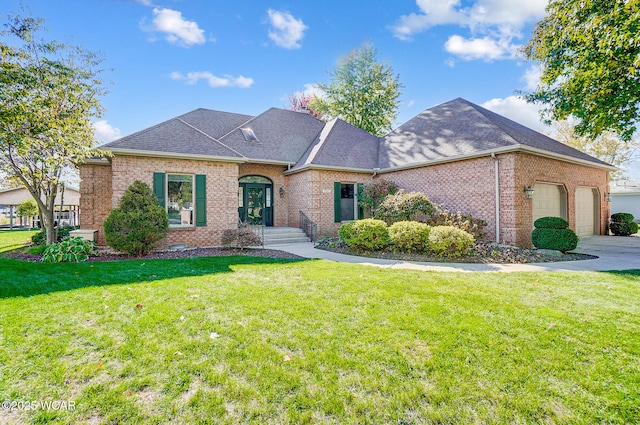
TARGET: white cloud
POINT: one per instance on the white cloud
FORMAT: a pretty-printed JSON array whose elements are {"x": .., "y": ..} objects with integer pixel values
[
  {"x": 177, "y": 29},
  {"x": 105, "y": 132},
  {"x": 498, "y": 21},
  {"x": 286, "y": 31},
  {"x": 212, "y": 80},
  {"x": 485, "y": 48},
  {"x": 518, "y": 110},
  {"x": 532, "y": 77}
]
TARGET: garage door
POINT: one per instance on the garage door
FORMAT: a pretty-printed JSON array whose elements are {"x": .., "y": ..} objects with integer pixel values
[
  {"x": 585, "y": 211},
  {"x": 548, "y": 201}
]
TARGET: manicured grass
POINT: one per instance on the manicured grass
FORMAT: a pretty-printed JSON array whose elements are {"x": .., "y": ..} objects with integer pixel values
[
  {"x": 226, "y": 340},
  {"x": 14, "y": 239}
]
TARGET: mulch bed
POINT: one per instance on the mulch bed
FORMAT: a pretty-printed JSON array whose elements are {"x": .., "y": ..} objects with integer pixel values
[
  {"x": 183, "y": 253},
  {"x": 483, "y": 252}
]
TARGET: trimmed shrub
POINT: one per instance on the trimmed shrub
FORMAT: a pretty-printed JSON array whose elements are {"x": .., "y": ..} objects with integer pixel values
[
  {"x": 69, "y": 250},
  {"x": 622, "y": 217},
  {"x": 465, "y": 222},
  {"x": 409, "y": 236},
  {"x": 622, "y": 224},
  {"x": 624, "y": 229},
  {"x": 40, "y": 238},
  {"x": 240, "y": 238},
  {"x": 559, "y": 239},
  {"x": 449, "y": 241},
  {"x": 367, "y": 235},
  {"x": 139, "y": 222},
  {"x": 347, "y": 232},
  {"x": 551, "y": 223},
  {"x": 405, "y": 206},
  {"x": 553, "y": 233}
]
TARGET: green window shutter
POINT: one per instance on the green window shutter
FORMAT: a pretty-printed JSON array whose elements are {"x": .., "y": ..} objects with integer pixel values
[
  {"x": 337, "y": 213},
  {"x": 159, "y": 187},
  {"x": 201, "y": 200},
  {"x": 360, "y": 188}
]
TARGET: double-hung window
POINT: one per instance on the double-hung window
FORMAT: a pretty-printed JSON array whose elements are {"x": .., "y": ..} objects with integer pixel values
[{"x": 183, "y": 196}]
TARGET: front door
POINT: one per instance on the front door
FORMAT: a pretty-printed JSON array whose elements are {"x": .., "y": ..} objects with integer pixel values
[{"x": 255, "y": 204}]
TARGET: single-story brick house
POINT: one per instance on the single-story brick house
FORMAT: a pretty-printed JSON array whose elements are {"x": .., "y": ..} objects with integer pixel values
[{"x": 212, "y": 168}]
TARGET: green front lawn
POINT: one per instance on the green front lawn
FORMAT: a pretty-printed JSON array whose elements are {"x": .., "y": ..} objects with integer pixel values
[
  {"x": 14, "y": 239},
  {"x": 251, "y": 340}
]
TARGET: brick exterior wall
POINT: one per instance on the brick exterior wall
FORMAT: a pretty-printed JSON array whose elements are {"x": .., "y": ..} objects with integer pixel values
[
  {"x": 280, "y": 204},
  {"x": 467, "y": 186},
  {"x": 530, "y": 169},
  {"x": 95, "y": 197},
  {"x": 312, "y": 193}
]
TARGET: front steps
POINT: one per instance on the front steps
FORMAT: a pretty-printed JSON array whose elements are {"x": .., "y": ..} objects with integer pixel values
[{"x": 284, "y": 235}]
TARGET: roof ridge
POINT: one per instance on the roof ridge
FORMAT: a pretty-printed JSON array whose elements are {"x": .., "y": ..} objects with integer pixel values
[
  {"x": 481, "y": 111},
  {"x": 143, "y": 131},
  {"x": 240, "y": 125},
  {"x": 322, "y": 138},
  {"x": 210, "y": 137}
]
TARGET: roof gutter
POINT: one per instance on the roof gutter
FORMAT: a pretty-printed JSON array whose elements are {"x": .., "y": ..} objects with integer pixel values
[
  {"x": 329, "y": 168},
  {"x": 174, "y": 155},
  {"x": 506, "y": 149}
]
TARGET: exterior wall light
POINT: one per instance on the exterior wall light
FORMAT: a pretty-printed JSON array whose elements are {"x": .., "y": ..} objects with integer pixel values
[
  {"x": 607, "y": 197},
  {"x": 528, "y": 191},
  {"x": 281, "y": 191}
]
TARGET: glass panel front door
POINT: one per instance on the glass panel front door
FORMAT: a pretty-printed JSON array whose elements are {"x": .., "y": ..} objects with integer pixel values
[{"x": 255, "y": 204}]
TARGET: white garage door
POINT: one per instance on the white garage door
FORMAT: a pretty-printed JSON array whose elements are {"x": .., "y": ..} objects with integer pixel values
[
  {"x": 585, "y": 211},
  {"x": 547, "y": 201}
]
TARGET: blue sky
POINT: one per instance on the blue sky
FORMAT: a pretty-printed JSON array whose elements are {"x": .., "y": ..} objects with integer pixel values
[{"x": 167, "y": 57}]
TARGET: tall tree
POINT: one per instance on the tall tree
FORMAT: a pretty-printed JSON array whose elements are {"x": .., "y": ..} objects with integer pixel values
[
  {"x": 48, "y": 96},
  {"x": 607, "y": 146},
  {"x": 363, "y": 91},
  {"x": 589, "y": 54}
]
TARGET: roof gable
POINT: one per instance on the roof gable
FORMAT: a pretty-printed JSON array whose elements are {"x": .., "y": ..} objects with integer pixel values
[{"x": 343, "y": 145}]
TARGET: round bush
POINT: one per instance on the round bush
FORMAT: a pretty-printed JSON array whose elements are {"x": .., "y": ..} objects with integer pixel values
[
  {"x": 622, "y": 217},
  {"x": 139, "y": 222},
  {"x": 347, "y": 232},
  {"x": 624, "y": 229},
  {"x": 449, "y": 241},
  {"x": 367, "y": 235},
  {"x": 402, "y": 206},
  {"x": 551, "y": 223},
  {"x": 409, "y": 236},
  {"x": 558, "y": 239}
]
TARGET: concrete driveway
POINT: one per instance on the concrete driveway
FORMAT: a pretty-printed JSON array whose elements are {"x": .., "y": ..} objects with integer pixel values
[{"x": 614, "y": 252}]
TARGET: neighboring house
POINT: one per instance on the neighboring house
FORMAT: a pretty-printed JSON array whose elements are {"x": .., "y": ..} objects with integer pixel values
[
  {"x": 625, "y": 197},
  {"x": 211, "y": 168},
  {"x": 11, "y": 198}
]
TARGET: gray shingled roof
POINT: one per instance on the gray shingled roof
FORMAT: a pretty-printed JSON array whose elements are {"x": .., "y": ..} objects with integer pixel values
[
  {"x": 340, "y": 144},
  {"x": 461, "y": 128},
  {"x": 283, "y": 136},
  {"x": 173, "y": 137},
  {"x": 451, "y": 130}
]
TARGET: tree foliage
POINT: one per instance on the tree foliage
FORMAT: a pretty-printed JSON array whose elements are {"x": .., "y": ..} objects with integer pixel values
[
  {"x": 589, "y": 53},
  {"x": 607, "y": 147},
  {"x": 363, "y": 91},
  {"x": 48, "y": 96},
  {"x": 27, "y": 208}
]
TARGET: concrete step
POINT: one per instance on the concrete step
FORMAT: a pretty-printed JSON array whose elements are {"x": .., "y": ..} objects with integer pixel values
[{"x": 284, "y": 235}]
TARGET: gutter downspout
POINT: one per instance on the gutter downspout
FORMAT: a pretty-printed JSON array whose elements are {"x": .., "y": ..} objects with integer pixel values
[{"x": 496, "y": 179}]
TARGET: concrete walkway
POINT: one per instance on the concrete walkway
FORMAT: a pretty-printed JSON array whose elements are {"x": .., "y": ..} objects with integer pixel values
[{"x": 614, "y": 252}]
